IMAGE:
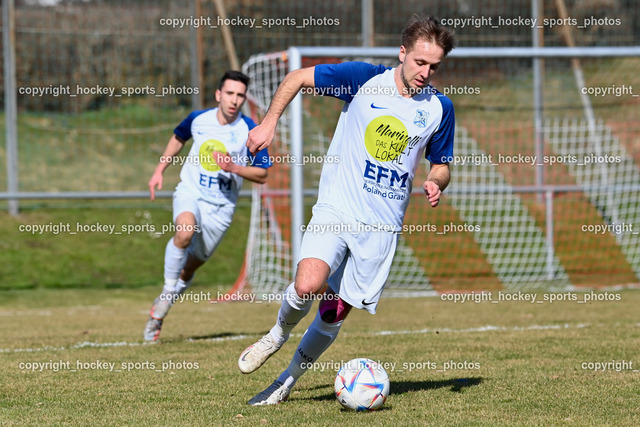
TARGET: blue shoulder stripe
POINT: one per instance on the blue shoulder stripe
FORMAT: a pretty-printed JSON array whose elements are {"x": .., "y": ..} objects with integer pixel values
[
  {"x": 344, "y": 80},
  {"x": 183, "y": 130},
  {"x": 440, "y": 147},
  {"x": 250, "y": 123}
]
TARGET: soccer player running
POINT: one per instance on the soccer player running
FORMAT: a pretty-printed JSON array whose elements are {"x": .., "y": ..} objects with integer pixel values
[
  {"x": 390, "y": 117},
  {"x": 205, "y": 199}
]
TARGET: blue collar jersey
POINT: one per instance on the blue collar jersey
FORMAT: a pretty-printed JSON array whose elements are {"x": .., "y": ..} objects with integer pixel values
[
  {"x": 200, "y": 173},
  {"x": 379, "y": 141}
]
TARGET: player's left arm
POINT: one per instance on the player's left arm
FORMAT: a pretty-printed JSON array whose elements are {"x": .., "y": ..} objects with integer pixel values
[
  {"x": 437, "y": 180},
  {"x": 440, "y": 152},
  {"x": 252, "y": 173}
]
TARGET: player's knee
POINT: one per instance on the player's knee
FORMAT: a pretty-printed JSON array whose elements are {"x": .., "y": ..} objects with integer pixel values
[
  {"x": 333, "y": 309},
  {"x": 306, "y": 289},
  {"x": 311, "y": 277},
  {"x": 182, "y": 239}
]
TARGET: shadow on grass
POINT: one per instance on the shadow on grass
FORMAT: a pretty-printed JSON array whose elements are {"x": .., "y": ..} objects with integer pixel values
[
  {"x": 400, "y": 387},
  {"x": 221, "y": 335},
  {"x": 456, "y": 384}
]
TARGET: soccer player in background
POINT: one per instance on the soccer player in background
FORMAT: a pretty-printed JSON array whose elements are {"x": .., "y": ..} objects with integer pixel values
[
  {"x": 390, "y": 117},
  {"x": 205, "y": 199}
]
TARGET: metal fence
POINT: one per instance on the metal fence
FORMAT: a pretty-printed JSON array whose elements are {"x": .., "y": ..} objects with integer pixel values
[
  {"x": 92, "y": 90},
  {"x": 545, "y": 179}
]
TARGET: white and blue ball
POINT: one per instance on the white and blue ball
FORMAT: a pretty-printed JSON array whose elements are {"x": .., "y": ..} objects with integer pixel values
[{"x": 362, "y": 385}]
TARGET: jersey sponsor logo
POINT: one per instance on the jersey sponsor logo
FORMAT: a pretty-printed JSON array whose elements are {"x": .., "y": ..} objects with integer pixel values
[
  {"x": 205, "y": 154},
  {"x": 377, "y": 107},
  {"x": 385, "y": 182},
  {"x": 421, "y": 118},
  {"x": 385, "y": 176},
  {"x": 225, "y": 184},
  {"x": 386, "y": 138},
  {"x": 211, "y": 181}
]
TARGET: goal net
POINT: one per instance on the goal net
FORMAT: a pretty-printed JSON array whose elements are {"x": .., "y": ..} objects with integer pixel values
[{"x": 495, "y": 227}]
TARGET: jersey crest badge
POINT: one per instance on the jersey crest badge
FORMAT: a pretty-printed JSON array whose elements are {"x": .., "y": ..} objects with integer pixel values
[{"x": 421, "y": 118}]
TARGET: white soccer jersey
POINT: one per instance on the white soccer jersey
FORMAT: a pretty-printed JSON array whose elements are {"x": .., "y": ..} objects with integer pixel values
[
  {"x": 200, "y": 173},
  {"x": 379, "y": 141}
]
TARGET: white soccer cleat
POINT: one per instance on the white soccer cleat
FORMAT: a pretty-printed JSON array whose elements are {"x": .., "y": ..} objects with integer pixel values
[
  {"x": 272, "y": 395},
  {"x": 152, "y": 330},
  {"x": 158, "y": 312},
  {"x": 256, "y": 354}
]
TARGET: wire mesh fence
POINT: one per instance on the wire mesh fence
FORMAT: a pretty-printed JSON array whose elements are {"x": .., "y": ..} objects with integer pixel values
[{"x": 101, "y": 85}]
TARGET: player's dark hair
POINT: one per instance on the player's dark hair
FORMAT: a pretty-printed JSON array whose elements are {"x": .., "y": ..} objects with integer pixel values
[
  {"x": 234, "y": 75},
  {"x": 429, "y": 28}
]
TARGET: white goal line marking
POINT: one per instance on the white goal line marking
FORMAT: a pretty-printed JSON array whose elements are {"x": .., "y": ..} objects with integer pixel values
[{"x": 487, "y": 328}]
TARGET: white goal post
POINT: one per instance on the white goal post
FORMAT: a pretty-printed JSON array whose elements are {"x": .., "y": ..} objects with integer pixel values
[{"x": 520, "y": 258}]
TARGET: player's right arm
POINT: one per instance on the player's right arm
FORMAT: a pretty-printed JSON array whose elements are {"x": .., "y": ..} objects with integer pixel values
[
  {"x": 173, "y": 148},
  {"x": 261, "y": 136}
]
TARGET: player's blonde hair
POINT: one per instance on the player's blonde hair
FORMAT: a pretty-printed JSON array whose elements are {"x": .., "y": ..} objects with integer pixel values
[{"x": 429, "y": 28}]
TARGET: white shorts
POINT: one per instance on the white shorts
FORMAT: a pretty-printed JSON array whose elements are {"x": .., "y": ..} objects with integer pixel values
[
  {"x": 212, "y": 222},
  {"x": 359, "y": 259}
]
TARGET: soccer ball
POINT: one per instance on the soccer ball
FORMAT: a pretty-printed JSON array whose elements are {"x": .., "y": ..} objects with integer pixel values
[{"x": 362, "y": 385}]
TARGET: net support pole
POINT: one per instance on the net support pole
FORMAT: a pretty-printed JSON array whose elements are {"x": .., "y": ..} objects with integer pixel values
[
  {"x": 611, "y": 208},
  {"x": 227, "y": 38},
  {"x": 549, "y": 233},
  {"x": 195, "y": 50},
  {"x": 367, "y": 23},
  {"x": 537, "y": 100},
  {"x": 297, "y": 176},
  {"x": 10, "y": 101}
]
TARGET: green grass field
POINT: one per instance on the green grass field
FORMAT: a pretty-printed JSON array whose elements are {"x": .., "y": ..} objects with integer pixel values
[
  {"x": 511, "y": 363},
  {"x": 98, "y": 257},
  {"x": 69, "y": 301}
]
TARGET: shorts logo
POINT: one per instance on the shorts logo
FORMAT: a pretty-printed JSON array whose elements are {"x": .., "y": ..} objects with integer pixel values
[
  {"x": 206, "y": 154},
  {"x": 421, "y": 118},
  {"x": 366, "y": 303}
]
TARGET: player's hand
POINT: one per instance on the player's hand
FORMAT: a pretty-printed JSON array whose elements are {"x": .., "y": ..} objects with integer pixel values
[
  {"x": 224, "y": 161},
  {"x": 433, "y": 192},
  {"x": 156, "y": 179},
  {"x": 260, "y": 137}
]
